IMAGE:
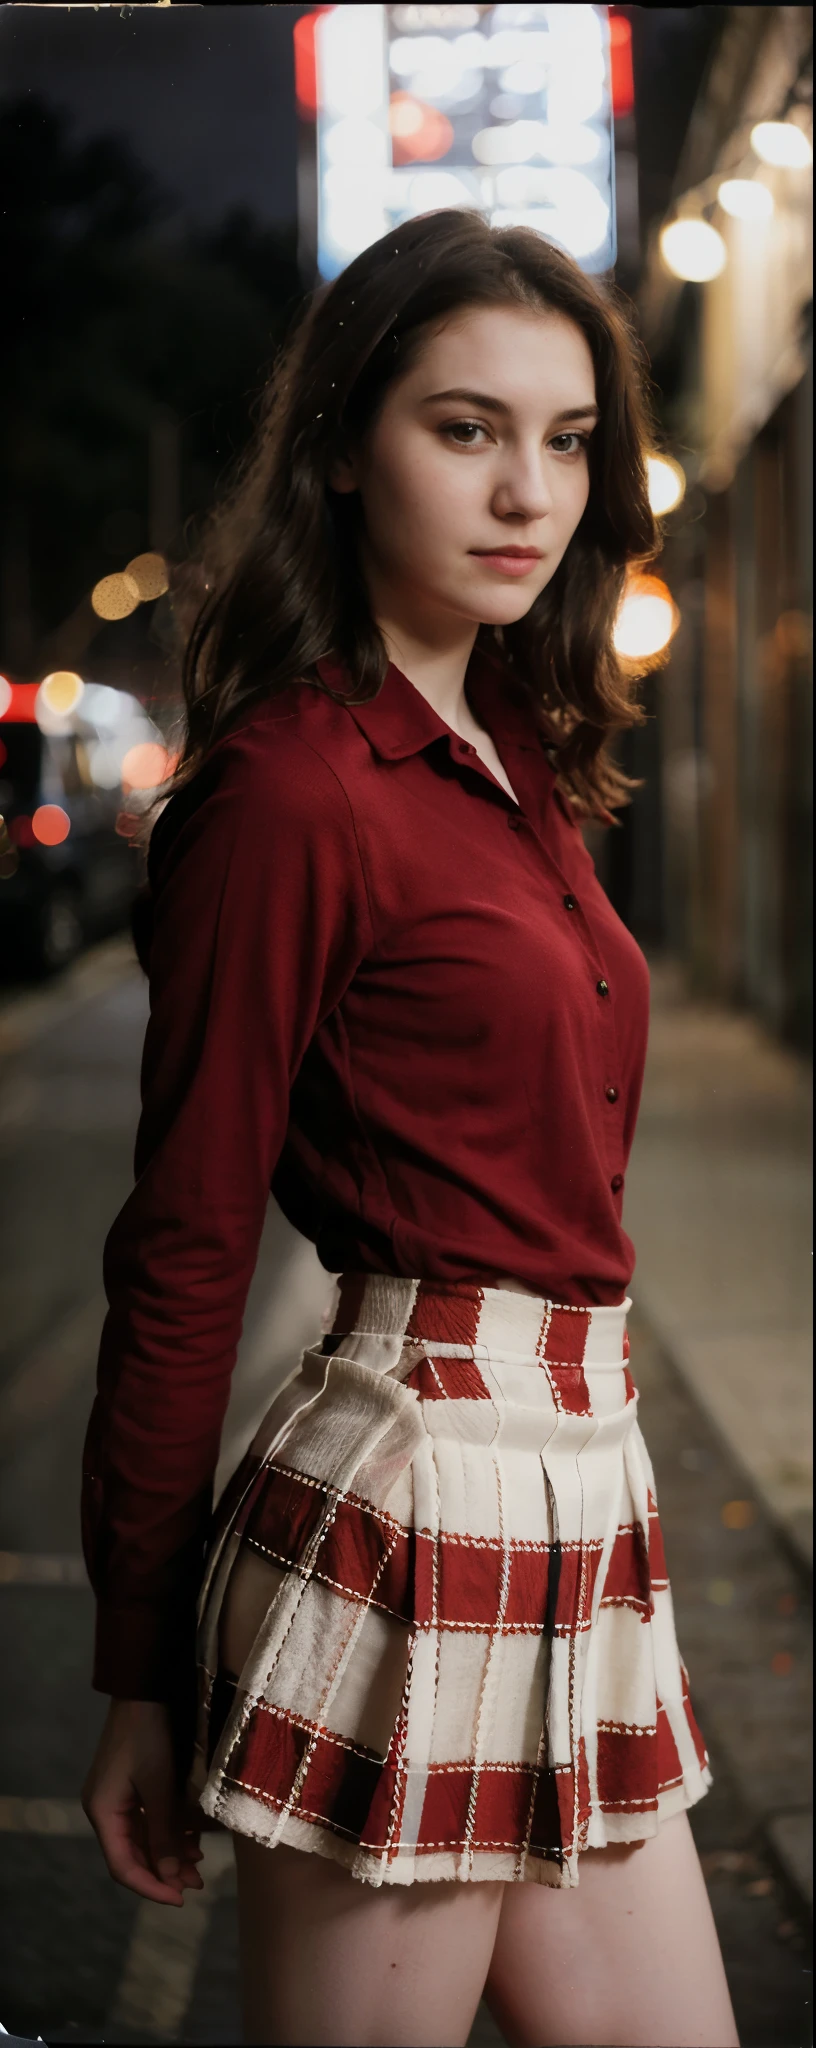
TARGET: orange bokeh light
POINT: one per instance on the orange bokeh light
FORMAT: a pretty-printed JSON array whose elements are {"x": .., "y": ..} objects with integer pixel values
[
  {"x": 146, "y": 765},
  {"x": 419, "y": 133},
  {"x": 50, "y": 824}
]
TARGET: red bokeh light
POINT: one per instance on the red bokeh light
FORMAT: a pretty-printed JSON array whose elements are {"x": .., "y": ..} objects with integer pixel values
[
  {"x": 50, "y": 824},
  {"x": 620, "y": 59},
  {"x": 303, "y": 37},
  {"x": 3, "y": 753},
  {"x": 424, "y": 142},
  {"x": 20, "y": 706},
  {"x": 21, "y": 830}
]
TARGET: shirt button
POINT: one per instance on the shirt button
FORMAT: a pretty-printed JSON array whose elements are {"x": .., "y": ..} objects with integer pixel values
[
  {"x": 602, "y": 988},
  {"x": 466, "y": 748},
  {"x": 611, "y": 1094},
  {"x": 513, "y": 821},
  {"x": 616, "y": 1182},
  {"x": 570, "y": 903}
]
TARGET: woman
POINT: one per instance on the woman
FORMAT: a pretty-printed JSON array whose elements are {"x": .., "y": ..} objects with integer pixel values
[{"x": 438, "y": 1680}]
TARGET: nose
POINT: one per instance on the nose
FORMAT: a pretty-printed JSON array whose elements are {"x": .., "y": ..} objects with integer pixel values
[{"x": 524, "y": 491}]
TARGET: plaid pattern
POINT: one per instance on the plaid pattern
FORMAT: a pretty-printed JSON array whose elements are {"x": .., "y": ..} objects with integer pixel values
[{"x": 468, "y": 1666}]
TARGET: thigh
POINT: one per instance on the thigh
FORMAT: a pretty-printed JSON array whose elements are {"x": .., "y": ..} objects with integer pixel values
[
  {"x": 629, "y": 1958},
  {"x": 328, "y": 1959}
]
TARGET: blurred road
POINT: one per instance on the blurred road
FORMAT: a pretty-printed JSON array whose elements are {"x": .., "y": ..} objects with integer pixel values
[{"x": 83, "y": 1960}]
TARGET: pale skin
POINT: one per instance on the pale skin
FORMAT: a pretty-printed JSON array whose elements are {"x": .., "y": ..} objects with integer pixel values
[{"x": 631, "y": 1955}]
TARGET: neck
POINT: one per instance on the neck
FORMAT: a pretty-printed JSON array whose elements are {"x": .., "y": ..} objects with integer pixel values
[
  {"x": 437, "y": 673},
  {"x": 434, "y": 655}
]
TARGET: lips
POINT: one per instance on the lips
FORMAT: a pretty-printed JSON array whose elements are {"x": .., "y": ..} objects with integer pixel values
[{"x": 521, "y": 554}]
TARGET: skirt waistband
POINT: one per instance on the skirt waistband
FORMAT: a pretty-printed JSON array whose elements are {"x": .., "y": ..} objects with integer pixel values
[{"x": 465, "y": 1318}]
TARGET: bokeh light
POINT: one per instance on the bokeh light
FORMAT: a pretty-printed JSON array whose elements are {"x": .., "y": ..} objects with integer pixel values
[
  {"x": 419, "y": 133},
  {"x": 693, "y": 250},
  {"x": 146, "y": 765},
  {"x": 104, "y": 762},
  {"x": 50, "y": 824},
  {"x": 745, "y": 199},
  {"x": 667, "y": 483},
  {"x": 738, "y": 1514},
  {"x": 647, "y": 619},
  {"x": 783, "y": 144},
  {"x": 21, "y": 830},
  {"x": 149, "y": 573},
  {"x": 114, "y": 597},
  {"x": 378, "y": 76},
  {"x": 720, "y": 1592},
  {"x": 61, "y": 692},
  {"x": 5, "y": 695}
]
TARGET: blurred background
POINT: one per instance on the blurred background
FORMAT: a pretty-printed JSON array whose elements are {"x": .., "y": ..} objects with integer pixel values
[{"x": 176, "y": 178}]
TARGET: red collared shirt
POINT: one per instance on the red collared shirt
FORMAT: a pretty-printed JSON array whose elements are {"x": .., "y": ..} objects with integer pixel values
[{"x": 404, "y": 1002}]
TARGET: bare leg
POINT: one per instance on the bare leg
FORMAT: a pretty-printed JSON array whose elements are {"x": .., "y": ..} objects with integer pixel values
[
  {"x": 629, "y": 1959},
  {"x": 327, "y": 1959}
]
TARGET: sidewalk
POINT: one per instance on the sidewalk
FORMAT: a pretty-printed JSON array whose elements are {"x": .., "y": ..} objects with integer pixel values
[{"x": 718, "y": 1203}]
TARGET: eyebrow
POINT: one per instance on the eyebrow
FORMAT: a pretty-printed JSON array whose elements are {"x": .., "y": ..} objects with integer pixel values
[{"x": 486, "y": 404}]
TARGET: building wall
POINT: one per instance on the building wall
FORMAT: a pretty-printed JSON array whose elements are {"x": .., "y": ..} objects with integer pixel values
[{"x": 734, "y": 712}]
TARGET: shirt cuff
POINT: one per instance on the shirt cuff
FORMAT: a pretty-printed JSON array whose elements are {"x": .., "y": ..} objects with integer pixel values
[{"x": 143, "y": 1652}]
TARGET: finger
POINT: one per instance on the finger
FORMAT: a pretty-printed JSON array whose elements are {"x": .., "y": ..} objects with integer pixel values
[
  {"x": 131, "y": 1860},
  {"x": 164, "y": 1826},
  {"x": 127, "y": 1860}
]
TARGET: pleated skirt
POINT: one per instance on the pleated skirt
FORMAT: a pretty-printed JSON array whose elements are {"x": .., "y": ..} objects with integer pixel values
[{"x": 462, "y": 1662}]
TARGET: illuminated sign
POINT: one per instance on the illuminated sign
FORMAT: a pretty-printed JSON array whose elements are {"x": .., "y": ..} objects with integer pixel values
[{"x": 507, "y": 109}]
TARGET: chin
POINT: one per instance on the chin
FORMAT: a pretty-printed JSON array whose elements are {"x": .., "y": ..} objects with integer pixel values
[{"x": 506, "y": 608}]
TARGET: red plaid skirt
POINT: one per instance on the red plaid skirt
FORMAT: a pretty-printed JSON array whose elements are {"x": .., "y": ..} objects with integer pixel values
[{"x": 466, "y": 1665}]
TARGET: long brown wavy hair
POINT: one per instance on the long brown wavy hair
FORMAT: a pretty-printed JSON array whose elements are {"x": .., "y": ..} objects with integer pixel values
[{"x": 275, "y": 582}]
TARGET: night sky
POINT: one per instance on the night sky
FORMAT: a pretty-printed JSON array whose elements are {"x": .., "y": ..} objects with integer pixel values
[{"x": 205, "y": 96}]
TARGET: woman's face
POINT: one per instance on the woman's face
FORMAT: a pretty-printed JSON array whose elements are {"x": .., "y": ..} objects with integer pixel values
[{"x": 482, "y": 446}]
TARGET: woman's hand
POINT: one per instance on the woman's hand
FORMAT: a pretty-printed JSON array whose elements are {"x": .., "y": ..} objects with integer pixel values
[{"x": 132, "y": 1801}]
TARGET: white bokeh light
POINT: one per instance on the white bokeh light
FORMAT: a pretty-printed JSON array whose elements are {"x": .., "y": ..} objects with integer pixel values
[
  {"x": 429, "y": 189},
  {"x": 522, "y": 86},
  {"x": 783, "y": 144},
  {"x": 693, "y": 250},
  {"x": 579, "y": 217},
  {"x": 667, "y": 484},
  {"x": 357, "y": 142},
  {"x": 745, "y": 199},
  {"x": 644, "y": 625},
  {"x": 349, "y": 60}
]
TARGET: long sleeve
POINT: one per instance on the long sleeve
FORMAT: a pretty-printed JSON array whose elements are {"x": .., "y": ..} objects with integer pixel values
[{"x": 260, "y": 921}]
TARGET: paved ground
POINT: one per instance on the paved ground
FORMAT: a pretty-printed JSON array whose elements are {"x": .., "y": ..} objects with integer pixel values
[
  {"x": 83, "y": 1961},
  {"x": 719, "y": 1202}
]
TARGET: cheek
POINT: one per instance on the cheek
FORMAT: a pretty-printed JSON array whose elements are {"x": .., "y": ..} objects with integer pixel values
[
  {"x": 573, "y": 499},
  {"x": 422, "y": 498}
]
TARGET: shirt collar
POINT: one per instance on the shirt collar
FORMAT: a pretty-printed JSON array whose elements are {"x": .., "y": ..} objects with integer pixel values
[{"x": 399, "y": 721}]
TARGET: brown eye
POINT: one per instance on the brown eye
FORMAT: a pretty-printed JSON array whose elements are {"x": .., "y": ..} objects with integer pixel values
[{"x": 455, "y": 427}]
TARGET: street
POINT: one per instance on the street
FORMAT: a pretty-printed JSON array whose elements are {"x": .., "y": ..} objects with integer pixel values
[{"x": 85, "y": 1961}]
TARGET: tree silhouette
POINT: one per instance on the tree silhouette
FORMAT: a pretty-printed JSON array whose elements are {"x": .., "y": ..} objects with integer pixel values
[{"x": 114, "y": 311}]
